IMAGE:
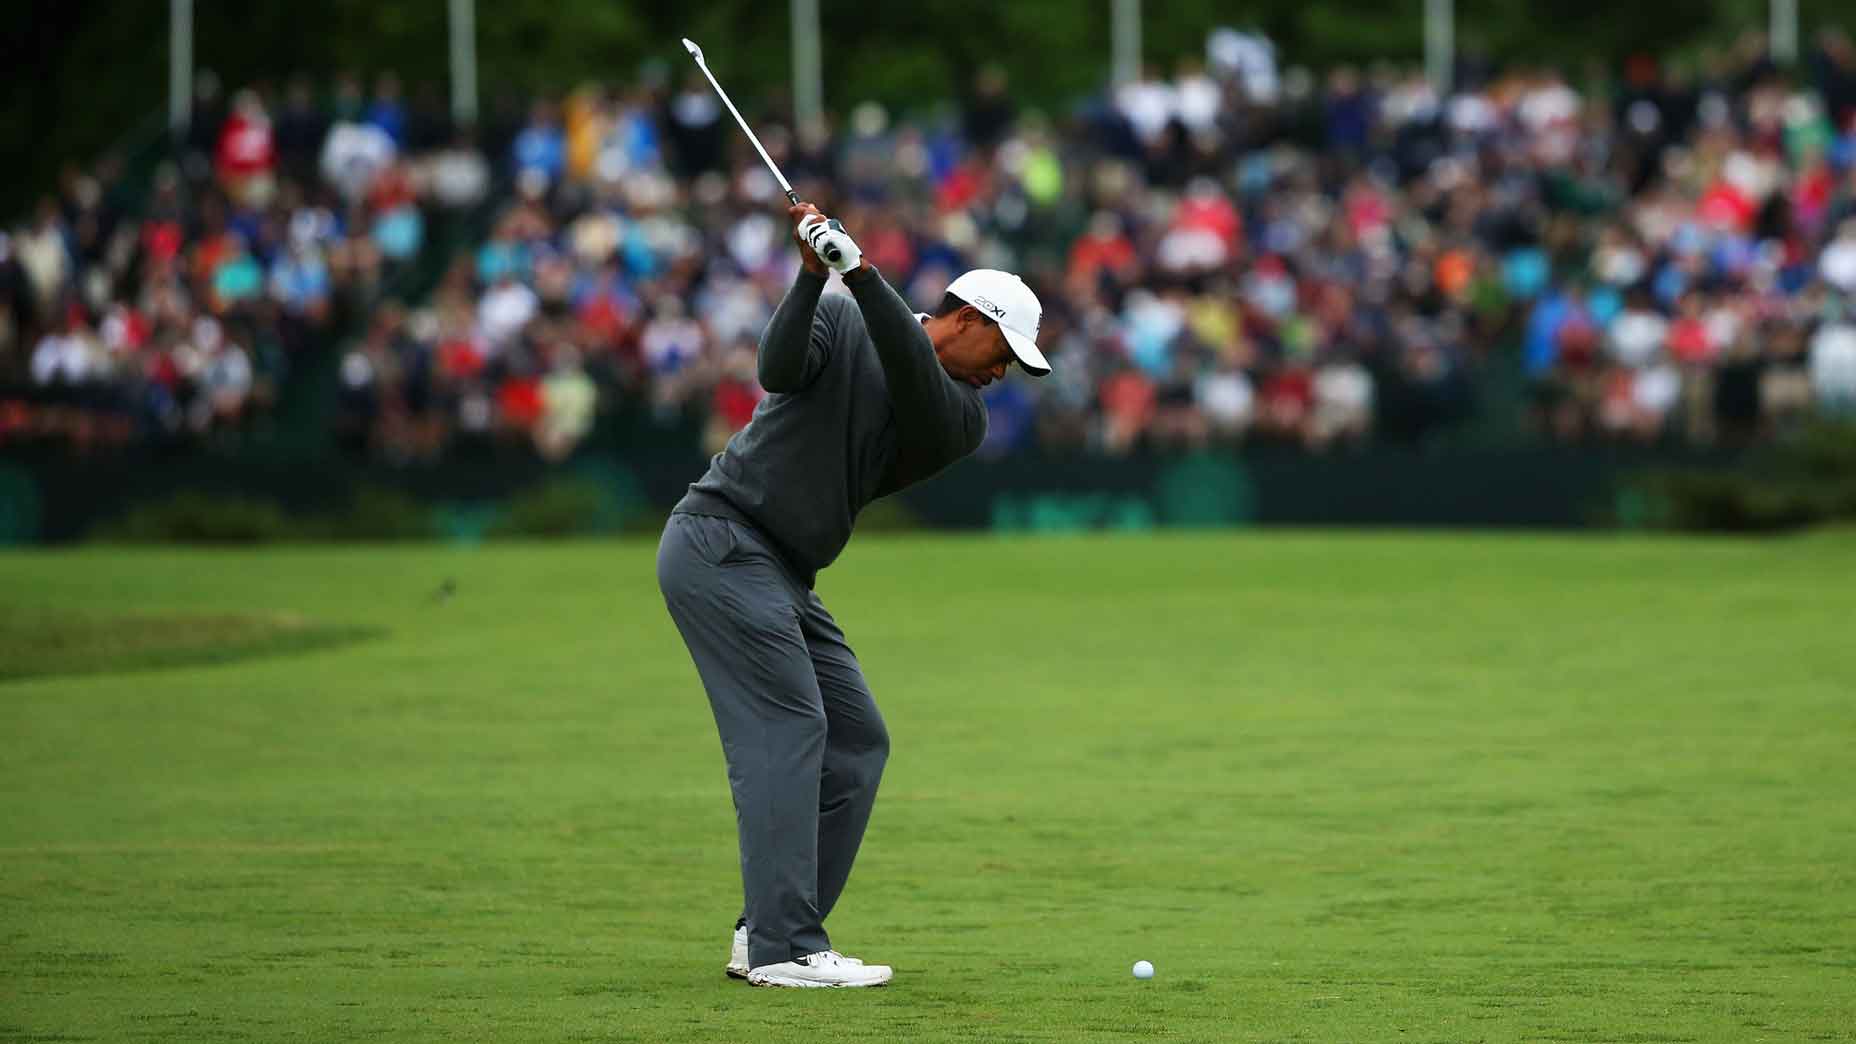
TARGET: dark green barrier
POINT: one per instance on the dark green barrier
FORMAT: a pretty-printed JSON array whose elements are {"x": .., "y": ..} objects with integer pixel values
[
  {"x": 52, "y": 497},
  {"x": 1543, "y": 488},
  {"x": 55, "y": 498}
]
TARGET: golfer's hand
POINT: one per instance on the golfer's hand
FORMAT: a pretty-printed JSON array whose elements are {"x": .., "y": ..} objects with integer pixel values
[
  {"x": 827, "y": 240},
  {"x": 798, "y": 213}
]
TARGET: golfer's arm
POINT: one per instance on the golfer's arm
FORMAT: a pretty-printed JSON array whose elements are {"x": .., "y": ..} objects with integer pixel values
[
  {"x": 792, "y": 350},
  {"x": 931, "y": 410}
]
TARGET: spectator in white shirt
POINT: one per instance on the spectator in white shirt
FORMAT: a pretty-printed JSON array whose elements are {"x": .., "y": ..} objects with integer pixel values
[
  {"x": 1833, "y": 366},
  {"x": 1638, "y": 333},
  {"x": 1228, "y": 399},
  {"x": 505, "y": 309},
  {"x": 1197, "y": 97},
  {"x": 1837, "y": 264},
  {"x": 1148, "y": 104}
]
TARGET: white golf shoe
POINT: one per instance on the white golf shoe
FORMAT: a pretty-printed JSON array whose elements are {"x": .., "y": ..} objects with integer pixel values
[
  {"x": 738, "y": 954},
  {"x": 826, "y": 968},
  {"x": 737, "y": 967}
]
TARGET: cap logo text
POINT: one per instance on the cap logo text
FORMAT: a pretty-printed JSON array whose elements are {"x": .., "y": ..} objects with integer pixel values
[{"x": 997, "y": 311}]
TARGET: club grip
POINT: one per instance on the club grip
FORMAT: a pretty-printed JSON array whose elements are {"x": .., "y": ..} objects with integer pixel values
[{"x": 832, "y": 253}]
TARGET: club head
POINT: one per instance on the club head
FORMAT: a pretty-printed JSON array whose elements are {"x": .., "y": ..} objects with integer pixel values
[{"x": 695, "y": 51}]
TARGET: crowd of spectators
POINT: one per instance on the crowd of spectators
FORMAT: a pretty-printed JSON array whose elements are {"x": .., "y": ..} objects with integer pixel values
[
  {"x": 180, "y": 313},
  {"x": 1235, "y": 251}
]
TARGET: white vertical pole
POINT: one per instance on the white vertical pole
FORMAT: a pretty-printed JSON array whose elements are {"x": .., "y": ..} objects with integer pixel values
[
  {"x": 180, "y": 64},
  {"x": 1783, "y": 15},
  {"x": 1440, "y": 44},
  {"x": 463, "y": 60},
  {"x": 1126, "y": 25},
  {"x": 808, "y": 78}
]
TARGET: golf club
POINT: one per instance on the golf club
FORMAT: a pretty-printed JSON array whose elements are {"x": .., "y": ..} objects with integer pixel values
[{"x": 831, "y": 253}]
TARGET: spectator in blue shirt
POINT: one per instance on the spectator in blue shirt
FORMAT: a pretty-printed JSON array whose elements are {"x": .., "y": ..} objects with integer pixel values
[
  {"x": 388, "y": 111},
  {"x": 300, "y": 281},
  {"x": 541, "y": 146}
]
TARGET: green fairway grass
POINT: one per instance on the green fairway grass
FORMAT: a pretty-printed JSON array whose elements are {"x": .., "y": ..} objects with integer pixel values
[{"x": 1337, "y": 787}]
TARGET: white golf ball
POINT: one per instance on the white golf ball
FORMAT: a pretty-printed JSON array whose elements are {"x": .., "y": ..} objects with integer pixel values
[{"x": 1143, "y": 970}]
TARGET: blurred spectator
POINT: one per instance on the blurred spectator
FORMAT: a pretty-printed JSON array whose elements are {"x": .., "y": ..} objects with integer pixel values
[
  {"x": 300, "y": 128},
  {"x": 44, "y": 258},
  {"x": 353, "y": 155},
  {"x": 540, "y": 148},
  {"x": 1228, "y": 400},
  {"x": 458, "y": 174},
  {"x": 1249, "y": 59},
  {"x": 1833, "y": 365},
  {"x": 695, "y": 127},
  {"x": 505, "y": 310},
  {"x": 568, "y": 401},
  {"x": 989, "y": 110},
  {"x": 387, "y": 112},
  {"x": 247, "y": 154}
]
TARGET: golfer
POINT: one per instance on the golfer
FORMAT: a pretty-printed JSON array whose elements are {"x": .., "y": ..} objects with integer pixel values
[{"x": 866, "y": 398}]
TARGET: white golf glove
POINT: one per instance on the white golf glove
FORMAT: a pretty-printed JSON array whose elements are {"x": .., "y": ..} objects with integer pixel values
[{"x": 833, "y": 245}]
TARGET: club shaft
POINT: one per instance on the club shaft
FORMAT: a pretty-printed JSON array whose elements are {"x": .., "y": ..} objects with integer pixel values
[{"x": 745, "y": 129}]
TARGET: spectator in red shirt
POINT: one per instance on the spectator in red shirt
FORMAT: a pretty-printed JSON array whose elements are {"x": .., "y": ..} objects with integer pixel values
[
  {"x": 961, "y": 186},
  {"x": 1689, "y": 341},
  {"x": 247, "y": 152},
  {"x": 732, "y": 402},
  {"x": 519, "y": 402},
  {"x": 1725, "y": 206},
  {"x": 1103, "y": 248},
  {"x": 1288, "y": 396},
  {"x": 1129, "y": 399}
]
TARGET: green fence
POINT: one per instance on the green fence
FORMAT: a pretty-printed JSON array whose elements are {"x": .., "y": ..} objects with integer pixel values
[{"x": 53, "y": 497}]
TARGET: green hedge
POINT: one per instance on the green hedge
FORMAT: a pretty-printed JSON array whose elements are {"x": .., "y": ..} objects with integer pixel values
[
  {"x": 577, "y": 506},
  {"x": 373, "y": 513},
  {"x": 583, "y": 505},
  {"x": 1808, "y": 479}
]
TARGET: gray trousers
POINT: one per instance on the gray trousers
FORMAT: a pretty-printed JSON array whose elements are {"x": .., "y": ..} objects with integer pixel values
[{"x": 804, "y": 743}]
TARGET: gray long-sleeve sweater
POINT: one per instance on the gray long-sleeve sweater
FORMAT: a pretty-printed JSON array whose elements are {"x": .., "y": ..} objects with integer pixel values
[{"x": 859, "y": 407}]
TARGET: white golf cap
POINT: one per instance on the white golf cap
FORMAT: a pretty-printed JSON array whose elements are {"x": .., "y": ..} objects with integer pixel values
[{"x": 1005, "y": 299}]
